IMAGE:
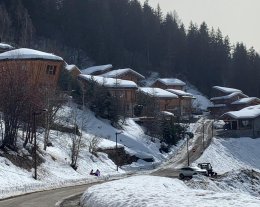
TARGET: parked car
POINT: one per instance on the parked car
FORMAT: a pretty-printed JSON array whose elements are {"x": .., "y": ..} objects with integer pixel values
[{"x": 190, "y": 171}]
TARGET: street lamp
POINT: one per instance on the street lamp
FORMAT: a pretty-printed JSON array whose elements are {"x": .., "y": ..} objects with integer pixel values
[
  {"x": 203, "y": 134},
  {"x": 189, "y": 135},
  {"x": 188, "y": 154},
  {"x": 212, "y": 129},
  {"x": 116, "y": 150},
  {"x": 36, "y": 113}
]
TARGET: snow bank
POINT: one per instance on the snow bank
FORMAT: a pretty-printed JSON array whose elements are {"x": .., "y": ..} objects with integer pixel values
[
  {"x": 232, "y": 154},
  {"x": 158, "y": 191}
]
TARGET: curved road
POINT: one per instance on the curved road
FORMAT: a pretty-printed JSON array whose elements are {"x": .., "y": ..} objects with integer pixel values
[
  {"x": 44, "y": 198},
  {"x": 170, "y": 168},
  {"x": 50, "y": 198}
]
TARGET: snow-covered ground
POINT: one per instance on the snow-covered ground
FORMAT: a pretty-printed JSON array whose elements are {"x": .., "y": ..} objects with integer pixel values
[
  {"x": 158, "y": 191},
  {"x": 238, "y": 160},
  {"x": 56, "y": 171},
  {"x": 226, "y": 155},
  {"x": 201, "y": 100}
]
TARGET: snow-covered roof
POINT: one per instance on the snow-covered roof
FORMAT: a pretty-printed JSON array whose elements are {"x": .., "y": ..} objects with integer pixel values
[
  {"x": 171, "y": 81},
  {"x": 180, "y": 93},
  {"x": 157, "y": 92},
  {"x": 250, "y": 112},
  {"x": 229, "y": 96},
  {"x": 226, "y": 90},
  {"x": 167, "y": 113},
  {"x": 6, "y": 46},
  {"x": 217, "y": 106},
  {"x": 110, "y": 82},
  {"x": 71, "y": 67},
  {"x": 118, "y": 72},
  {"x": 93, "y": 69},
  {"x": 246, "y": 100},
  {"x": 25, "y": 53}
]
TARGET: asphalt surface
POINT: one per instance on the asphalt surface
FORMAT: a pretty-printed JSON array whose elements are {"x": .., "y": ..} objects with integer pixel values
[
  {"x": 196, "y": 148},
  {"x": 45, "y": 198},
  {"x": 169, "y": 169}
]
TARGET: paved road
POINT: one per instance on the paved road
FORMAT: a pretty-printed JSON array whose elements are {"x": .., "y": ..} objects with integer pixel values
[
  {"x": 43, "y": 199},
  {"x": 50, "y": 198},
  {"x": 170, "y": 168}
]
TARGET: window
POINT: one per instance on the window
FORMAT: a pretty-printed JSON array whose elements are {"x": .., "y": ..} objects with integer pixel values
[
  {"x": 51, "y": 69},
  {"x": 245, "y": 124}
]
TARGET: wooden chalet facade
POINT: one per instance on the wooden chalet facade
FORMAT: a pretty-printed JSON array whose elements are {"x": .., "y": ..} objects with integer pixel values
[
  {"x": 245, "y": 102},
  {"x": 125, "y": 74},
  {"x": 124, "y": 90},
  {"x": 185, "y": 102},
  {"x": 229, "y": 99},
  {"x": 43, "y": 68},
  {"x": 162, "y": 100},
  {"x": 242, "y": 123},
  {"x": 169, "y": 83},
  {"x": 73, "y": 70}
]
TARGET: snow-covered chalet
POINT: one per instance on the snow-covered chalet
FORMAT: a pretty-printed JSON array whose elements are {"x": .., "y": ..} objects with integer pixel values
[
  {"x": 229, "y": 99},
  {"x": 43, "y": 68}
]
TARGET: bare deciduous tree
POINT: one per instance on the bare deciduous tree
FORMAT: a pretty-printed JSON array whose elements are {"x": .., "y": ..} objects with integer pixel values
[
  {"x": 18, "y": 99},
  {"x": 93, "y": 142},
  {"x": 54, "y": 99},
  {"x": 77, "y": 142}
]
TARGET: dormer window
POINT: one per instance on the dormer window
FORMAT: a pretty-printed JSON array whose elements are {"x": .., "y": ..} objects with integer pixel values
[{"x": 51, "y": 69}]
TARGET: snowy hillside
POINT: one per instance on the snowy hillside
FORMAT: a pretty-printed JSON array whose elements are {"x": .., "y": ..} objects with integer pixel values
[
  {"x": 227, "y": 155},
  {"x": 237, "y": 160},
  {"x": 201, "y": 100},
  {"x": 55, "y": 171}
]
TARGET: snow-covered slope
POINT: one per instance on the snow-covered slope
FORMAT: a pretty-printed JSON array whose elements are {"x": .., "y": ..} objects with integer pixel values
[
  {"x": 56, "y": 170},
  {"x": 237, "y": 160},
  {"x": 158, "y": 191},
  {"x": 232, "y": 154},
  {"x": 201, "y": 100}
]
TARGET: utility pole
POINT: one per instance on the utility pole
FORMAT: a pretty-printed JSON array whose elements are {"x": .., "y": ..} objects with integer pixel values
[
  {"x": 35, "y": 157},
  {"x": 47, "y": 127},
  {"x": 188, "y": 154},
  {"x": 117, "y": 151},
  {"x": 35, "y": 144},
  {"x": 203, "y": 134},
  {"x": 81, "y": 128},
  {"x": 212, "y": 129}
]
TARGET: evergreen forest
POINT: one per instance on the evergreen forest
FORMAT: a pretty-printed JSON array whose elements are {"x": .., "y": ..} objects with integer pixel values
[{"x": 126, "y": 33}]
